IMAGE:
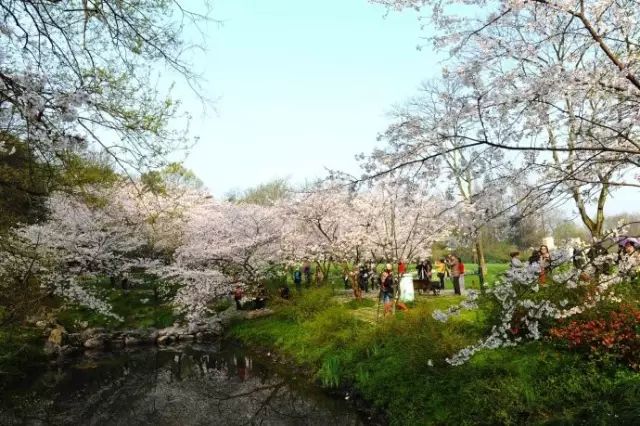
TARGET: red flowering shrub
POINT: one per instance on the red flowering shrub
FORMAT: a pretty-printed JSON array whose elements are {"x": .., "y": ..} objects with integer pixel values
[{"x": 616, "y": 335}]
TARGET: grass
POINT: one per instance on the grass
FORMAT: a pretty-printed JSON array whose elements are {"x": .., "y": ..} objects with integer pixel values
[
  {"x": 397, "y": 364},
  {"x": 139, "y": 307}
]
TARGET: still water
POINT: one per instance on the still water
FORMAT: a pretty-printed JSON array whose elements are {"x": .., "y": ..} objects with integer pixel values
[{"x": 219, "y": 384}]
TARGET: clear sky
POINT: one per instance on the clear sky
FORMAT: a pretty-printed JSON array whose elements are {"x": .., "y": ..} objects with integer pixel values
[
  {"x": 299, "y": 86},
  {"x": 303, "y": 85}
]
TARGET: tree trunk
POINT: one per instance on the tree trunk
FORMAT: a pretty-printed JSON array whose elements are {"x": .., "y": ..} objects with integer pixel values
[{"x": 480, "y": 253}]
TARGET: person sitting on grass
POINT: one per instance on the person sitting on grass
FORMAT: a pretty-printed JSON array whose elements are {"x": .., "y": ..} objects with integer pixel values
[{"x": 516, "y": 263}]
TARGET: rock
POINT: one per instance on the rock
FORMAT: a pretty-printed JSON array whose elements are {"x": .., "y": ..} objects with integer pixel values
[
  {"x": 139, "y": 337},
  {"x": 96, "y": 342},
  {"x": 75, "y": 339},
  {"x": 186, "y": 337},
  {"x": 199, "y": 337},
  {"x": 69, "y": 350},
  {"x": 165, "y": 340},
  {"x": 151, "y": 336},
  {"x": 173, "y": 330},
  {"x": 57, "y": 336},
  {"x": 132, "y": 341},
  {"x": 116, "y": 343},
  {"x": 41, "y": 324},
  {"x": 207, "y": 337},
  {"x": 92, "y": 332}
]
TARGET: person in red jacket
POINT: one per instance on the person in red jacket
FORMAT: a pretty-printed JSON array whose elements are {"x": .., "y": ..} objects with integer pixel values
[{"x": 402, "y": 267}]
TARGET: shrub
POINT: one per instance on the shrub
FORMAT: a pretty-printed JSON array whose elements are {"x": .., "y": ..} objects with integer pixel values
[{"x": 614, "y": 336}]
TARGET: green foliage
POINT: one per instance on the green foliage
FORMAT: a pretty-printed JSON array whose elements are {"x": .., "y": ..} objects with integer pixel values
[
  {"x": 221, "y": 305},
  {"x": 23, "y": 185},
  {"x": 265, "y": 194},
  {"x": 569, "y": 229},
  {"x": 174, "y": 174},
  {"x": 26, "y": 180}
]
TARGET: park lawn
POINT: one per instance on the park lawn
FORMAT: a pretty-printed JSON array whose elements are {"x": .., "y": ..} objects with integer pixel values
[{"x": 398, "y": 365}]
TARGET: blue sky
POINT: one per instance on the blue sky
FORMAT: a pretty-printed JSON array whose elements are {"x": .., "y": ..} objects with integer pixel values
[{"x": 299, "y": 86}]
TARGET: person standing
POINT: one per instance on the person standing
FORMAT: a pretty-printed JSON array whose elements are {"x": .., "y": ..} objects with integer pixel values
[
  {"x": 238, "y": 294},
  {"x": 373, "y": 276},
  {"x": 545, "y": 262},
  {"x": 297, "y": 279},
  {"x": 402, "y": 267},
  {"x": 461, "y": 276},
  {"x": 630, "y": 258},
  {"x": 386, "y": 288},
  {"x": 428, "y": 266},
  {"x": 363, "y": 278},
  {"x": 441, "y": 271},
  {"x": 306, "y": 270},
  {"x": 421, "y": 269},
  {"x": 457, "y": 271}
]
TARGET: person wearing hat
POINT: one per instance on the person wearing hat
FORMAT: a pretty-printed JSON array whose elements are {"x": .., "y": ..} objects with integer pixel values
[{"x": 386, "y": 289}]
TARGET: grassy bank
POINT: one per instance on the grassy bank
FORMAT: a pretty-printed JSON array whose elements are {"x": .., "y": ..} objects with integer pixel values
[{"x": 397, "y": 364}]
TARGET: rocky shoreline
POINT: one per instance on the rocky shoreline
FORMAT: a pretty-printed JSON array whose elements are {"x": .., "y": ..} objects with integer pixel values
[{"x": 60, "y": 342}]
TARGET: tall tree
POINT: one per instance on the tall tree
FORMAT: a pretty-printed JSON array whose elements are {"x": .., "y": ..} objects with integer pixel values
[{"x": 78, "y": 76}]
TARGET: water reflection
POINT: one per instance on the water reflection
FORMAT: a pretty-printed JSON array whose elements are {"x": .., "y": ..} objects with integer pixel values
[{"x": 193, "y": 385}]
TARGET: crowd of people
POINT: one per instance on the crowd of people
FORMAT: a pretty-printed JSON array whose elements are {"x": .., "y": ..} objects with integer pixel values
[
  {"x": 541, "y": 260},
  {"x": 367, "y": 277}
]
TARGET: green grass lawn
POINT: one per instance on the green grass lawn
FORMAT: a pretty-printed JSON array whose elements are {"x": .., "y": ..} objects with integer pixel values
[{"x": 398, "y": 364}]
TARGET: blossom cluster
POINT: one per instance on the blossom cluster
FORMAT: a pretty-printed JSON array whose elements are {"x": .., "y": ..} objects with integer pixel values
[{"x": 529, "y": 302}]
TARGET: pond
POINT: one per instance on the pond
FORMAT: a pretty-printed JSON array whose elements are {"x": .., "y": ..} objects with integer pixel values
[{"x": 192, "y": 385}]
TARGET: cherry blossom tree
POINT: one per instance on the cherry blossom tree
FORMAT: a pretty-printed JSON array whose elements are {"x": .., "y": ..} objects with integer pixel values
[
  {"x": 402, "y": 221},
  {"x": 553, "y": 80},
  {"x": 388, "y": 220},
  {"x": 426, "y": 145},
  {"x": 111, "y": 231},
  {"x": 223, "y": 244},
  {"x": 78, "y": 76}
]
